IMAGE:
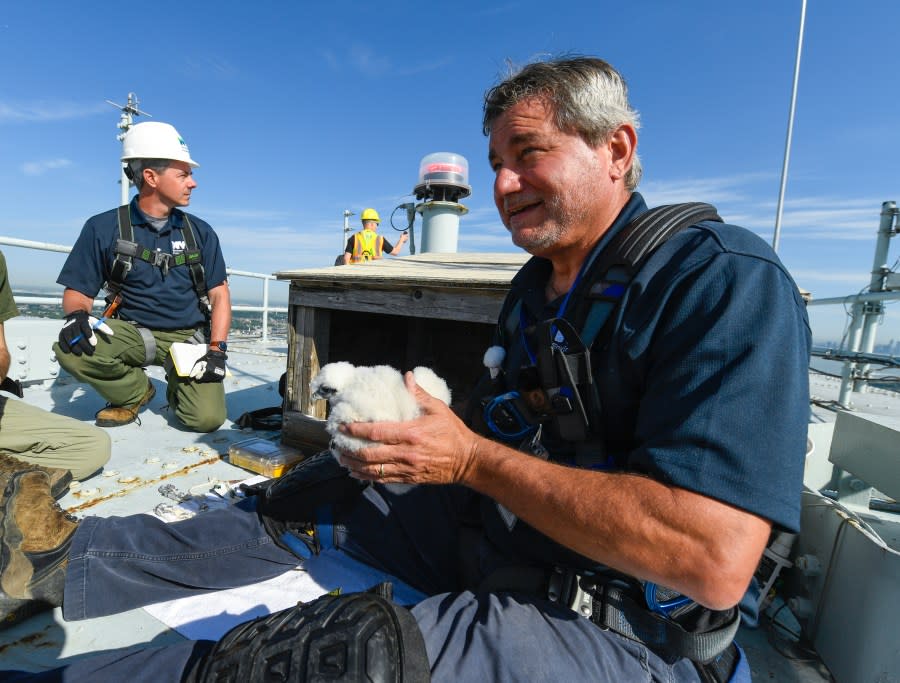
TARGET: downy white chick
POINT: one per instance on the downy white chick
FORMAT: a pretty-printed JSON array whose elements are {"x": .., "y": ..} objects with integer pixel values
[{"x": 370, "y": 394}]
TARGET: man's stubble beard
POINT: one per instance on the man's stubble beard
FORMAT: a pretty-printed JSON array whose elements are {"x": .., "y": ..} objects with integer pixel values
[{"x": 559, "y": 222}]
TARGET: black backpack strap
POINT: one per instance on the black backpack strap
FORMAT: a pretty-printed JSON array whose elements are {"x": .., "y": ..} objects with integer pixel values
[
  {"x": 623, "y": 257},
  {"x": 649, "y": 230}
]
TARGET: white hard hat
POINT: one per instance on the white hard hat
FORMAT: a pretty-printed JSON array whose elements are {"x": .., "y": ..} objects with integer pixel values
[{"x": 155, "y": 140}]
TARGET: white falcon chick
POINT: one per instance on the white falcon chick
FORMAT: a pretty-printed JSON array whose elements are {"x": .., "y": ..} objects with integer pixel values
[{"x": 370, "y": 394}]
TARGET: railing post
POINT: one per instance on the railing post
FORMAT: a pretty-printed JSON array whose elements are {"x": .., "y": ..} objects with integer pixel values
[
  {"x": 265, "y": 311},
  {"x": 853, "y": 338}
]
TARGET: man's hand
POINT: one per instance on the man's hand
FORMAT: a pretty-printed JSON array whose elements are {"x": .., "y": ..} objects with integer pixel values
[
  {"x": 77, "y": 333},
  {"x": 435, "y": 448},
  {"x": 210, "y": 368}
]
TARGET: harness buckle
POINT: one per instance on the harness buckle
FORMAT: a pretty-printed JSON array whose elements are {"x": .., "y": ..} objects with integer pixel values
[{"x": 564, "y": 588}]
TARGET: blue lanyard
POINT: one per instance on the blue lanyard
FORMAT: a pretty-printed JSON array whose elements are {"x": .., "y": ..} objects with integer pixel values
[{"x": 523, "y": 320}]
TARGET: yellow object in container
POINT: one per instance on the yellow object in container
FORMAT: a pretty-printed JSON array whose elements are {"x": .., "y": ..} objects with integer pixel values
[{"x": 263, "y": 456}]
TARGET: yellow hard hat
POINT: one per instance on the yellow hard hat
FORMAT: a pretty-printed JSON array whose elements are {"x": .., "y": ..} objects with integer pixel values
[{"x": 370, "y": 215}]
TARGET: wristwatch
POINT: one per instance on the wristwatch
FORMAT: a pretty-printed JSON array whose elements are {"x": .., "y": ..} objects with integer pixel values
[{"x": 222, "y": 346}]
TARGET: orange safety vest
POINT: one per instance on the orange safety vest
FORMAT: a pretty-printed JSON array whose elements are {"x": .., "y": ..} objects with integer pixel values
[{"x": 367, "y": 245}]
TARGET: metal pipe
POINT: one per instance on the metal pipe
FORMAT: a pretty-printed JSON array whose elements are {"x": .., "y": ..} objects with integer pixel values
[
  {"x": 855, "y": 298},
  {"x": 853, "y": 336},
  {"x": 265, "y": 315},
  {"x": 790, "y": 131},
  {"x": 29, "y": 244},
  {"x": 874, "y": 310},
  {"x": 882, "y": 246},
  {"x": 346, "y": 235}
]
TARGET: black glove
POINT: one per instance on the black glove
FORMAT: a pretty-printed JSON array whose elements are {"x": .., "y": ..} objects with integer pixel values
[
  {"x": 210, "y": 368},
  {"x": 77, "y": 333}
]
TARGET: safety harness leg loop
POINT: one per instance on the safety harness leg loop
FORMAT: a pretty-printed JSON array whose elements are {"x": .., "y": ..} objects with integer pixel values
[{"x": 614, "y": 609}]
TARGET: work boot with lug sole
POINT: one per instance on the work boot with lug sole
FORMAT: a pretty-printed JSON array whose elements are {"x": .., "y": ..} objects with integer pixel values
[
  {"x": 116, "y": 416},
  {"x": 35, "y": 537},
  {"x": 59, "y": 478}
]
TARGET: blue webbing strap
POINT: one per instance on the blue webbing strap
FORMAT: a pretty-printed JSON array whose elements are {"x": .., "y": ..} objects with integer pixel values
[
  {"x": 325, "y": 527},
  {"x": 625, "y": 255},
  {"x": 324, "y": 534}
]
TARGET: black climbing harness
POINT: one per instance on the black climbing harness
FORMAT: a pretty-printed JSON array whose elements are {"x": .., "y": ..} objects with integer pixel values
[
  {"x": 127, "y": 250},
  {"x": 555, "y": 385}
]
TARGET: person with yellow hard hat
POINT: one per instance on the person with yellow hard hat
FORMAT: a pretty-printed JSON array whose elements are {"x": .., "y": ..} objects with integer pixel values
[{"x": 367, "y": 244}]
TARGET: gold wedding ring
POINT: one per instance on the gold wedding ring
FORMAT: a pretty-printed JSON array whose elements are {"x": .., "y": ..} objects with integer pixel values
[{"x": 381, "y": 471}]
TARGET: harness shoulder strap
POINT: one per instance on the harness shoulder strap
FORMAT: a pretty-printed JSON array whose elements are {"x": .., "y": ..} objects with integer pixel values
[
  {"x": 193, "y": 258},
  {"x": 126, "y": 249},
  {"x": 621, "y": 260}
]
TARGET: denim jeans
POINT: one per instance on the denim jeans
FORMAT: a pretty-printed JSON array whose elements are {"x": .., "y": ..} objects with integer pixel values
[{"x": 119, "y": 563}]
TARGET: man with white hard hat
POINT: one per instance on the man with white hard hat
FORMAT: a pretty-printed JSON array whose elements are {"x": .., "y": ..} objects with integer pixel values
[{"x": 165, "y": 276}]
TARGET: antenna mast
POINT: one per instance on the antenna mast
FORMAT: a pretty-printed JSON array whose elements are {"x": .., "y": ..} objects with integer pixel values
[
  {"x": 776, "y": 235},
  {"x": 129, "y": 111}
]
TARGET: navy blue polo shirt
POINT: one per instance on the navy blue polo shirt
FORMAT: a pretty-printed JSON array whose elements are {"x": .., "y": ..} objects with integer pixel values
[
  {"x": 157, "y": 300},
  {"x": 703, "y": 381}
]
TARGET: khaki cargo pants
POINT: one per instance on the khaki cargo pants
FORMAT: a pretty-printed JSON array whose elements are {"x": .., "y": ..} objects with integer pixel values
[
  {"x": 50, "y": 440},
  {"x": 115, "y": 372}
]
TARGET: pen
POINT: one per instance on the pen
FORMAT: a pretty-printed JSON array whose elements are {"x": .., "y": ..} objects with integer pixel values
[{"x": 114, "y": 304}]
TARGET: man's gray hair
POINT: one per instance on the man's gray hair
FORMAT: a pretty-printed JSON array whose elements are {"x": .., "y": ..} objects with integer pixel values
[
  {"x": 587, "y": 95},
  {"x": 138, "y": 166}
]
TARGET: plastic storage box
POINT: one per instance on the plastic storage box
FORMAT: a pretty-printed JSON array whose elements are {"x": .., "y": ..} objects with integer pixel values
[{"x": 263, "y": 456}]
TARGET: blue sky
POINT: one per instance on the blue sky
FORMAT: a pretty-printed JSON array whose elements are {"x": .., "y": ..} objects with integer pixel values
[{"x": 297, "y": 111}]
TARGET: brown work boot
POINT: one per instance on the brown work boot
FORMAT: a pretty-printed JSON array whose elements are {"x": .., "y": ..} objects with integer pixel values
[
  {"x": 59, "y": 479},
  {"x": 35, "y": 536},
  {"x": 116, "y": 416}
]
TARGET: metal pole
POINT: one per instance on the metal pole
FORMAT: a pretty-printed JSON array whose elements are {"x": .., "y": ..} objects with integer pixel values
[
  {"x": 265, "y": 316},
  {"x": 872, "y": 311},
  {"x": 853, "y": 335},
  {"x": 790, "y": 131},
  {"x": 124, "y": 125},
  {"x": 347, "y": 214}
]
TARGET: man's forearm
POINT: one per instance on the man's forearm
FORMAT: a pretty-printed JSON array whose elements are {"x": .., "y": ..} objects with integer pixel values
[
  {"x": 686, "y": 541},
  {"x": 220, "y": 317},
  {"x": 76, "y": 301},
  {"x": 4, "y": 362}
]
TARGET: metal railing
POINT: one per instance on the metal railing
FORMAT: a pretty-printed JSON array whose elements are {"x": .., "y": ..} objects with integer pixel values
[
  {"x": 857, "y": 354},
  {"x": 100, "y": 303},
  {"x": 866, "y": 309}
]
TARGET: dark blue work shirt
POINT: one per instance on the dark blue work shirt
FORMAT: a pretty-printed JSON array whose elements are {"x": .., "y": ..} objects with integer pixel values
[
  {"x": 157, "y": 300},
  {"x": 703, "y": 381}
]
